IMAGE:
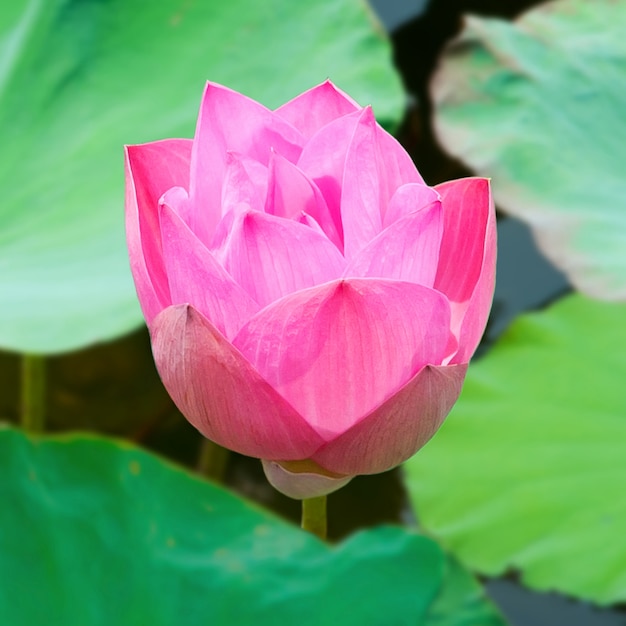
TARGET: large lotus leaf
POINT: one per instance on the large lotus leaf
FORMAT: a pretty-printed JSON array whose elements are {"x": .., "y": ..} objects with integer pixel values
[
  {"x": 538, "y": 105},
  {"x": 80, "y": 79},
  {"x": 528, "y": 472},
  {"x": 97, "y": 532}
]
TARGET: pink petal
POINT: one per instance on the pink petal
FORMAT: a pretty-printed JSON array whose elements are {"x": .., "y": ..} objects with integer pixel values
[
  {"x": 376, "y": 168},
  {"x": 271, "y": 256},
  {"x": 337, "y": 351},
  {"x": 151, "y": 169},
  {"x": 399, "y": 168},
  {"x": 292, "y": 195},
  {"x": 323, "y": 160},
  {"x": 408, "y": 199},
  {"x": 358, "y": 167},
  {"x": 394, "y": 431},
  {"x": 177, "y": 199},
  {"x": 317, "y": 107},
  {"x": 362, "y": 199},
  {"x": 467, "y": 259},
  {"x": 245, "y": 182},
  {"x": 333, "y": 162},
  {"x": 196, "y": 278},
  {"x": 408, "y": 249},
  {"x": 229, "y": 121},
  {"x": 301, "y": 485},
  {"x": 221, "y": 394}
]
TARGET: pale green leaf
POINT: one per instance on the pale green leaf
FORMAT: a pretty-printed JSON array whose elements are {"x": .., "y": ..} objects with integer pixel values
[
  {"x": 538, "y": 105},
  {"x": 80, "y": 79},
  {"x": 528, "y": 472}
]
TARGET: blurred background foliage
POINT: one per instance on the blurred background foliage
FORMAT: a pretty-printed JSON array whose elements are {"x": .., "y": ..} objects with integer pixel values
[{"x": 524, "y": 480}]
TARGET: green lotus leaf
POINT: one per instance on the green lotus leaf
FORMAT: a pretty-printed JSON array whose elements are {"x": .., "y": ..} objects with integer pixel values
[
  {"x": 80, "y": 79},
  {"x": 528, "y": 472},
  {"x": 98, "y": 532},
  {"x": 538, "y": 105}
]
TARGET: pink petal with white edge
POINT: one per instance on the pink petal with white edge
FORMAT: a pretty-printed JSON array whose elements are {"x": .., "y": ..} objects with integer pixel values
[
  {"x": 301, "y": 485},
  {"x": 151, "y": 169},
  {"x": 245, "y": 182},
  {"x": 467, "y": 261},
  {"x": 399, "y": 427},
  {"x": 408, "y": 249},
  {"x": 291, "y": 194},
  {"x": 317, "y": 107},
  {"x": 271, "y": 257},
  {"x": 221, "y": 394},
  {"x": 230, "y": 121},
  {"x": 337, "y": 351},
  {"x": 196, "y": 277}
]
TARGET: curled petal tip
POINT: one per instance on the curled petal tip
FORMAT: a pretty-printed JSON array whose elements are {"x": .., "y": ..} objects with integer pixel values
[{"x": 367, "y": 115}]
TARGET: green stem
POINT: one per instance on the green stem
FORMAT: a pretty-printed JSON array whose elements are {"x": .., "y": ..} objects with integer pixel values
[
  {"x": 212, "y": 460},
  {"x": 33, "y": 392},
  {"x": 314, "y": 516}
]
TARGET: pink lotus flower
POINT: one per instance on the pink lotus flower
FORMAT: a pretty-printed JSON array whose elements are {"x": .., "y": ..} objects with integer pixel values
[{"x": 311, "y": 301}]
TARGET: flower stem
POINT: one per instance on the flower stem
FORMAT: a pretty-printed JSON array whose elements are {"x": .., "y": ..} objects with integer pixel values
[
  {"x": 33, "y": 398},
  {"x": 212, "y": 461},
  {"x": 314, "y": 516}
]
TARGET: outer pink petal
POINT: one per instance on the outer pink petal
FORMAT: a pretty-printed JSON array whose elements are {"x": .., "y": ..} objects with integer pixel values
[
  {"x": 407, "y": 250},
  {"x": 399, "y": 427},
  {"x": 317, "y": 107},
  {"x": 292, "y": 194},
  {"x": 467, "y": 261},
  {"x": 229, "y": 121},
  {"x": 151, "y": 169},
  {"x": 271, "y": 256},
  {"x": 196, "y": 277},
  {"x": 221, "y": 394},
  {"x": 337, "y": 351}
]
